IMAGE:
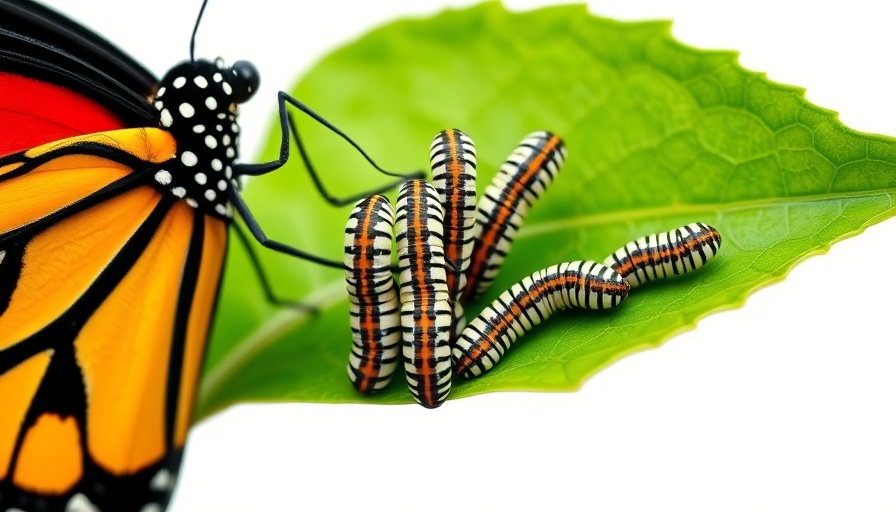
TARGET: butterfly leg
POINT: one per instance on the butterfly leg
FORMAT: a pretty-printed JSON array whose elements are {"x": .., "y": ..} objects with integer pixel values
[
  {"x": 266, "y": 287},
  {"x": 287, "y": 126},
  {"x": 340, "y": 201},
  {"x": 259, "y": 235}
]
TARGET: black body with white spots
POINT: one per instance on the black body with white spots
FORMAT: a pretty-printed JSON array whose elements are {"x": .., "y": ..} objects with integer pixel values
[
  {"x": 197, "y": 103},
  {"x": 117, "y": 195}
]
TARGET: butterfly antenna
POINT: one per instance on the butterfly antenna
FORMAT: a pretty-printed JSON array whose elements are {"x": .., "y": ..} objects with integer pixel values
[{"x": 196, "y": 29}]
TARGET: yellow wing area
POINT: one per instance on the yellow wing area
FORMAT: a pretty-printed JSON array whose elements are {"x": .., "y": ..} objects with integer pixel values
[
  {"x": 17, "y": 387},
  {"x": 124, "y": 349},
  {"x": 51, "y": 438},
  {"x": 114, "y": 300},
  {"x": 61, "y": 262},
  {"x": 148, "y": 144},
  {"x": 52, "y": 182},
  {"x": 201, "y": 312}
]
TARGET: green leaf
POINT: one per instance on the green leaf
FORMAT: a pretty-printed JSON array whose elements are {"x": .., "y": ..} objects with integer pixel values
[{"x": 659, "y": 135}]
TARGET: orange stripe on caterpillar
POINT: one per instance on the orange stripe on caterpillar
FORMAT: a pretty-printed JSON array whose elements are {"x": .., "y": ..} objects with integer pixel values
[
  {"x": 661, "y": 255},
  {"x": 522, "y": 179},
  {"x": 581, "y": 284},
  {"x": 453, "y": 162},
  {"x": 373, "y": 299},
  {"x": 426, "y": 313}
]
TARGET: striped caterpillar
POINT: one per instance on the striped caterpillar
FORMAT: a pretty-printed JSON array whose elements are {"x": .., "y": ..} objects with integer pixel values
[{"x": 447, "y": 255}]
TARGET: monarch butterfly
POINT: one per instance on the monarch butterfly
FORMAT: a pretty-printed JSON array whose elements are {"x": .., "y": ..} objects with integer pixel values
[
  {"x": 519, "y": 183},
  {"x": 116, "y": 194},
  {"x": 678, "y": 251},
  {"x": 426, "y": 312},
  {"x": 373, "y": 301},
  {"x": 583, "y": 284}
]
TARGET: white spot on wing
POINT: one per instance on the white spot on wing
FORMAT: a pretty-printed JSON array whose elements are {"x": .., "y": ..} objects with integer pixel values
[
  {"x": 210, "y": 194},
  {"x": 222, "y": 186},
  {"x": 160, "y": 92},
  {"x": 179, "y": 82},
  {"x": 189, "y": 158},
  {"x": 192, "y": 202},
  {"x": 221, "y": 209},
  {"x": 80, "y": 503},
  {"x": 200, "y": 82},
  {"x": 3, "y": 253},
  {"x": 166, "y": 118},
  {"x": 229, "y": 152},
  {"x": 163, "y": 177},
  {"x": 216, "y": 164},
  {"x": 227, "y": 90},
  {"x": 201, "y": 178},
  {"x": 211, "y": 103},
  {"x": 179, "y": 191},
  {"x": 199, "y": 128},
  {"x": 211, "y": 142},
  {"x": 217, "y": 77},
  {"x": 186, "y": 110}
]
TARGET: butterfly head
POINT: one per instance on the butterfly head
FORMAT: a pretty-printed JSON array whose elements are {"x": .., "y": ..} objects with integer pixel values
[{"x": 197, "y": 102}]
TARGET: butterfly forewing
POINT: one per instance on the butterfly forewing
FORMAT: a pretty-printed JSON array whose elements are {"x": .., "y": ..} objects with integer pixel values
[{"x": 108, "y": 275}]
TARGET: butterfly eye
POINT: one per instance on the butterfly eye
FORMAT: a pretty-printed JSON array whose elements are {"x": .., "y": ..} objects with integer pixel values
[{"x": 245, "y": 80}]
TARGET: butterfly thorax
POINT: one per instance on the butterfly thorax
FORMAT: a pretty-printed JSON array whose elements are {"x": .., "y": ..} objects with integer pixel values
[{"x": 197, "y": 103}]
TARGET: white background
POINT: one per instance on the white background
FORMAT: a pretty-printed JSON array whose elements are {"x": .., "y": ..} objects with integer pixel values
[{"x": 784, "y": 404}]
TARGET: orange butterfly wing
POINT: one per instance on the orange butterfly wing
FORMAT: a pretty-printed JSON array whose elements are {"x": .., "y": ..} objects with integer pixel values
[{"x": 107, "y": 289}]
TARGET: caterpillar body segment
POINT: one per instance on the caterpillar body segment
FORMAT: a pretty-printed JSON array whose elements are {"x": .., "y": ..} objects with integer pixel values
[
  {"x": 373, "y": 298},
  {"x": 426, "y": 307},
  {"x": 459, "y": 320},
  {"x": 453, "y": 161},
  {"x": 581, "y": 284},
  {"x": 521, "y": 180},
  {"x": 661, "y": 255}
]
